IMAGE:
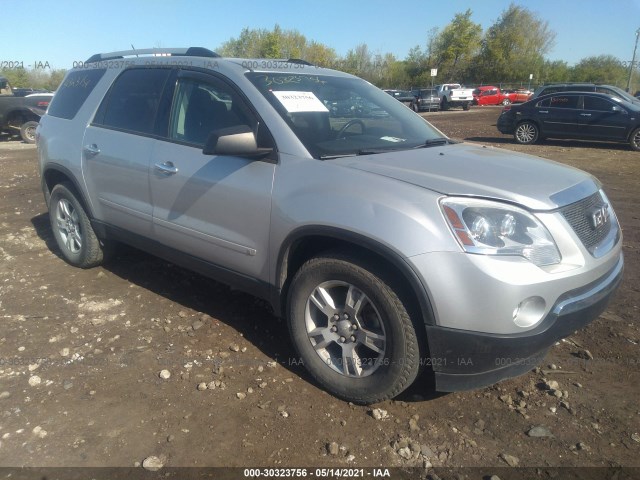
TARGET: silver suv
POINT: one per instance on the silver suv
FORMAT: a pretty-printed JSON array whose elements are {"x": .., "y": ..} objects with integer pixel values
[{"x": 388, "y": 247}]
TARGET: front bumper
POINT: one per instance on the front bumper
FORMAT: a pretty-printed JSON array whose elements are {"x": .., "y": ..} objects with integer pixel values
[{"x": 465, "y": 360}]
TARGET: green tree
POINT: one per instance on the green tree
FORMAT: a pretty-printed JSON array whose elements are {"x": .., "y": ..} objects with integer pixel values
[
  {"x": 451, "y": 51},
  {"x": 600, "y": 69},
  {"x": 18, "y": 77},
  {"x": 514, "y": 46},
  {"x": 277, "y": 43}
]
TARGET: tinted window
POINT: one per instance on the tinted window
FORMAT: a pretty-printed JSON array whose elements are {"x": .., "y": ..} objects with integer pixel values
[
  {"x": 133, "y": 100},
  {"x": 73, "y": 91},
  {"x": 564, "y": 101},
  {"x": 550, "y": 90},
  {"x": 201, "y": 107},
  {"x": 596, "y": 103}
]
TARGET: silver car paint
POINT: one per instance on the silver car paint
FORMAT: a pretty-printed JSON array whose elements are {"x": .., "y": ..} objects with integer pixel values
[{"x": 391, "y": 199}]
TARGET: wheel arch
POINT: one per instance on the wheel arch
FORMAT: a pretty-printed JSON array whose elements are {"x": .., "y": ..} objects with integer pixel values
[
  {"x": 23, "y": 114},
  {"x": 54, "y": 174},
  {"x": 309, "y": 241}
]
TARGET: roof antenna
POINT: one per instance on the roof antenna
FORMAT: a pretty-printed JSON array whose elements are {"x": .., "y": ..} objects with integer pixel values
[{"x": 134, "y": 49}]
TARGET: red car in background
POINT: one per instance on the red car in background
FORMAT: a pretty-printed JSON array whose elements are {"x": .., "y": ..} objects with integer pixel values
[
  {"x": 518, "y": 96},
  {"x": 492, "y": 95}
]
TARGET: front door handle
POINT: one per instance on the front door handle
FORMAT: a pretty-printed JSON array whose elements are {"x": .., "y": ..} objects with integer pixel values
[
  {"x": 167, "y": 168},
  {"x": 585, "y": 114},
  {"x": 543, "y": 111},
  {"x": 91, "y": 150}
]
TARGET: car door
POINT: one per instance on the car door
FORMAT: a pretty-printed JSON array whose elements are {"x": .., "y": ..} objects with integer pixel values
[
  {"x": 558, "y": 115},
  {"x": 216, "y": 208},
  {"x": 603, "y": 118},
  {"x": 117, "y": 146}
]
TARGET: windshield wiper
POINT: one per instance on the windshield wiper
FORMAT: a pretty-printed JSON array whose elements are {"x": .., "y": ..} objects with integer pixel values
[
  {"x": 434, "y": 142},
  {"x": 339, "y": 155}
]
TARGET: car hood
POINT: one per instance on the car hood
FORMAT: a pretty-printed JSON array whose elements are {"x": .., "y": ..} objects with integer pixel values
[{"x": 482, "y": 171}]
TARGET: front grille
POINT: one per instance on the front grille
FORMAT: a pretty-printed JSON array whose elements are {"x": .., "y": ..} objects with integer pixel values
[{"x": 579, "y": 216}]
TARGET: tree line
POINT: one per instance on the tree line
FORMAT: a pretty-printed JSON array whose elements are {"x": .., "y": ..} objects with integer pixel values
[{"x": 508, "y": 52}]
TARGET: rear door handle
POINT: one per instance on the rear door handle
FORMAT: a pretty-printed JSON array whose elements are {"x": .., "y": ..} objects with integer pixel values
[
  {"x": 168, "y": 168},
  {"x": 91, "y": 149},
  {"x": 543, "y": 111},
  {"x": 585, "y": 114}
]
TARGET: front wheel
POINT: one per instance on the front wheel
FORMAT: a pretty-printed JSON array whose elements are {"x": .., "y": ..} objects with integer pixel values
[
  {"x": 526, "y": 133},
  {"x": 72, "y": 229},
  {"x": 634, "y": 140},
  {"x": 351, "y": 330},
  {"x": 28, "y": 131},
  {"x": 506, "y": 101}
]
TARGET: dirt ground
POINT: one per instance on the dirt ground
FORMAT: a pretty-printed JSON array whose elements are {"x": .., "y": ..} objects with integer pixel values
[{"x": 81, "y": 352}]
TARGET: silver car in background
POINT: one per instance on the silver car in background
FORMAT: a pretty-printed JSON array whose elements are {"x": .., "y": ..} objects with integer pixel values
[{"x": 388, "y": 247}]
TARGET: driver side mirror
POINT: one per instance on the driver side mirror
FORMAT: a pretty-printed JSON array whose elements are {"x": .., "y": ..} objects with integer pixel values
[
  {"x": 238, "y": 141},
  {"x": 618, "y": 109}
]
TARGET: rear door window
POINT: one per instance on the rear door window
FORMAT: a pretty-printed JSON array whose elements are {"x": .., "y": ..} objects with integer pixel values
[
  {"x": 73, "y": 91},
  {"x": 564, "y": 101},
  {"x": 132, "y": 103},
  {"x": 598, "y": 104}
]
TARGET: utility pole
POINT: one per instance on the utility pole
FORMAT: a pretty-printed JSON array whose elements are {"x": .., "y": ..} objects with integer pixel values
[{"x": 633, "y": 61}]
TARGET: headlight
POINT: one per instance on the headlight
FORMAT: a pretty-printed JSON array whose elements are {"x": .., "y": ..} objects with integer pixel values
[{"x": 494, "y": 228}]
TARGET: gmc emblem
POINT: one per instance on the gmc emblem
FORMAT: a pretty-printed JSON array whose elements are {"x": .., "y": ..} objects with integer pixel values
[{"x": 599, "y": 216}]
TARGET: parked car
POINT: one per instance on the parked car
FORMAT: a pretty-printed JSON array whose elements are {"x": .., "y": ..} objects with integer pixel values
[
  {"x": 584, "y": 87},
  {"x": 19, "y": 114},
  {"x": 373, "y": 237},
  {"x": 23, "y": 92},
  {"x": 518, "y": 96},
  {"x": 425, "y": 99},
  {"x": 403, "y": 96},
  {"x": 454, "y": 95},
  {"x": 579, "y": 115},
  {"x": 490, "y": 95}
]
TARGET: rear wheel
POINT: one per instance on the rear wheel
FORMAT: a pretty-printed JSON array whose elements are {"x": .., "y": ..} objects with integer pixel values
[
  {"x": 28, "y": 131},
  {"x": 72, "y": 229},
  {"x": 526, "y": 133},
  {"x": 506, "y": 101},
  {"x": 634, "y": 140},
  {"x": 415, "y": 107},
  {"x": 444, "y": 105},
  {"x": 351, "y": 330},
  {"x": 465, "y": 106}
]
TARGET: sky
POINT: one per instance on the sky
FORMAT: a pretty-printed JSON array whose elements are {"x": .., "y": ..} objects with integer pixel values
[{"x": 66, "y": 31}]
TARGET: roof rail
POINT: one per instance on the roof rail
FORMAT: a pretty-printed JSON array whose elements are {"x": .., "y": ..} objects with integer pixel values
[
  {"x": 174, "y": 52},
  {"x": 299, "y": 61}
]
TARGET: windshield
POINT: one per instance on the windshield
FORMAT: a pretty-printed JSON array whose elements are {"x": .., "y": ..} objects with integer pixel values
[
  {"x": 340, "y": 116},
  {"x": 624, "y": 95}
]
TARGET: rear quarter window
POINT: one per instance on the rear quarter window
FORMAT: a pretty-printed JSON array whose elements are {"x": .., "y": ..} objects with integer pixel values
[{"x": 73, "y": 92}]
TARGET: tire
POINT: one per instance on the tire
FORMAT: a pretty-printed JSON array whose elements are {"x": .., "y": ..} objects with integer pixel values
[
  {"x": 465, "y": 106},
  {"x": 526, "y": 133},
  {"x": 506, "y": 101},
  {"x": 28, "y": 131},
  {"x": 634, "y": 140},
  {"x": 415, "y": 107},
  {"x": 380, "y": 369},
  {"x": 72, "y": 229},
  {"x": 444, "y": 105}
]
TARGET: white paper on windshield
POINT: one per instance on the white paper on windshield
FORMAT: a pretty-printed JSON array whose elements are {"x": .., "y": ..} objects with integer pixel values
[
  {"x": 392, "y": 139},
  {"x": 300, "y": 102}
]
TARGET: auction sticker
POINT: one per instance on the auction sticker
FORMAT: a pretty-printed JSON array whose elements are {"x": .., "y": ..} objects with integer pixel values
[{"x": 300, "y": 102}]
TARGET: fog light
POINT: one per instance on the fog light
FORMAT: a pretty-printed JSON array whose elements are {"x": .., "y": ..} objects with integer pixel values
[{"x": 529, "y": 311}]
